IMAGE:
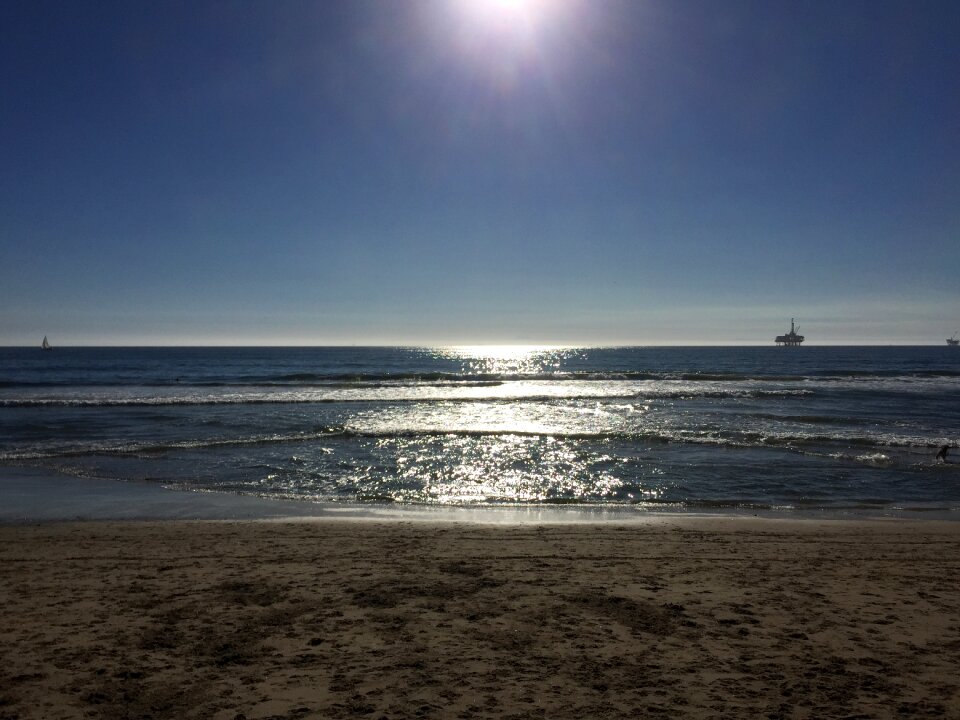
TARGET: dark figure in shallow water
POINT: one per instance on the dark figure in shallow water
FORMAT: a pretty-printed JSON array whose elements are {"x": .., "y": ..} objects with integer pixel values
[{"x": 942, "y": 455}]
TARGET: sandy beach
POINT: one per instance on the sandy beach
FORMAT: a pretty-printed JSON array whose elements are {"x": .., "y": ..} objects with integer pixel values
[{"x": 677, "y": 617}]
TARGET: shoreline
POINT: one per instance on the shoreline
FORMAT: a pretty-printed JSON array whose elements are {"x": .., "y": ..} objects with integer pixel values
[{"x": 38, "y": 495}]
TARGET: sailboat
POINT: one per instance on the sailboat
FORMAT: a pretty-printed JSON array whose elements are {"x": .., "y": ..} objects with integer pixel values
[
  {"x": 45, "y": 345},
  {"x": 953, "y": 340}
]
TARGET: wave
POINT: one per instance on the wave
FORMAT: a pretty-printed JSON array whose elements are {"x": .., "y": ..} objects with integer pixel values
[
  {"x": 157, "y": 402},
  {"x": 333, "y": 379},
  {"x": 156, "y": 448},
  {"x": 871, "y": 450},
  {"x": 397, "y": 395},
  {"x": 806, "y": 419}
]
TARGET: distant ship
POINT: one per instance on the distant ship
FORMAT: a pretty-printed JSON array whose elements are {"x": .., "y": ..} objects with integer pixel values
[
  {"x": 791, "y": 339},
  {"x": 45, "y": 345},
  {"x": 953, "y": 340}
]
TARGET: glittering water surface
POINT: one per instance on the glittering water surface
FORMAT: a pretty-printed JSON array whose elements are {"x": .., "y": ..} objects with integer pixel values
[{"x": 660, "y": 427}]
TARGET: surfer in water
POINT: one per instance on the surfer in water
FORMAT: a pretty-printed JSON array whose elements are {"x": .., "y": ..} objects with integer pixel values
[{"x": 942, "y": 455}]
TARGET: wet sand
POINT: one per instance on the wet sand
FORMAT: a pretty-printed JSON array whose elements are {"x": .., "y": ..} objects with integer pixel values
[{"x": 675, "y": 617}]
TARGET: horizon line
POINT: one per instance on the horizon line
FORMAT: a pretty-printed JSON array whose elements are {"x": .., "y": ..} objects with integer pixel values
[{"x": 532, "y": 345}]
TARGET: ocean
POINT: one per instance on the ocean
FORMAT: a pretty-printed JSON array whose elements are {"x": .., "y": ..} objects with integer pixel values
[{"x": 737, "y": 429}]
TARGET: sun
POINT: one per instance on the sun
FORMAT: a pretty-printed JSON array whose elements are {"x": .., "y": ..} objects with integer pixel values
[
  {"x": 505, "y": 44},
  {"x": 503, "y": 27},
  {"x": 509, "y": 6},
  {"x": 505, "y": 13}
]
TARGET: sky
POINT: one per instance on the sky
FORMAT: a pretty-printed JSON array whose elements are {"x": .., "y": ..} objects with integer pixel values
[{"x": 675, "y": 172}]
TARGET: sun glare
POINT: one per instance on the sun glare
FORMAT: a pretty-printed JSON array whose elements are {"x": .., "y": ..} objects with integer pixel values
[
  {"x": 510, "y": 6},
  {"x": 508, "y": 40},
  {"x": 514, "y": 16}
]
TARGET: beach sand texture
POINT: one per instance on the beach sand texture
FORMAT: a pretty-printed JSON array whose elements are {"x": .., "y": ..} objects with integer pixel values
[{"x": 680, "y": 617}]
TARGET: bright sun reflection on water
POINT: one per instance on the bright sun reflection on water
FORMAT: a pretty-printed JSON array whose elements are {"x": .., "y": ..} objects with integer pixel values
[
  {"x": 502, "y": 359},
  {"x": 501, "y": 352},
  {"x": 503, "y": 451},
  {"x": 507, "y": 468}
]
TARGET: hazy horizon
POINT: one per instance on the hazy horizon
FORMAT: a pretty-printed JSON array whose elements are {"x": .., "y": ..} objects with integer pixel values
[{"x": 477, "y": 346}]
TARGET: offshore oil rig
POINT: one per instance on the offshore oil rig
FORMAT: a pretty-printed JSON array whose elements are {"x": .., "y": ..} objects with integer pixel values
[{"x": 791, "y": 339}]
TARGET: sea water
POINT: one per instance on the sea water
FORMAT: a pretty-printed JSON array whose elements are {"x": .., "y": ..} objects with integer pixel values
[{"x": 793, "y": 429}]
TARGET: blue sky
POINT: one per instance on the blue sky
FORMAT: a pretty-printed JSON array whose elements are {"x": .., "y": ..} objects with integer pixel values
[{"x": 473, "y": 171}]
